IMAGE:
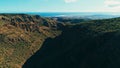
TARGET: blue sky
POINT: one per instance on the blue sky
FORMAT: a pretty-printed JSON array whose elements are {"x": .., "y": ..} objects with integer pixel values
[{"x": 60, "y": 6}]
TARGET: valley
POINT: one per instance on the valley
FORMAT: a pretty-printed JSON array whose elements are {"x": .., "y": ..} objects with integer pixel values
[{"x": 32, "y": 41}]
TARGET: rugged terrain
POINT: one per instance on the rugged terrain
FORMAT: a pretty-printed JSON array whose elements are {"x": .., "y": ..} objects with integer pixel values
[
  {"x": 21, "y": 36},
  {"x": 31, "y": 41}
]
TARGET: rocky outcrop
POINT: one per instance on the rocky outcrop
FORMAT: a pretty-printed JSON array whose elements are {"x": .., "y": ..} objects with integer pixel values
[
  {"x": 21, "y": 36},
  {"x": 29, "y": 23}
]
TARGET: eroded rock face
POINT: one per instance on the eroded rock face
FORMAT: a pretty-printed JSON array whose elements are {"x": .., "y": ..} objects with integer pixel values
[
  {"x": 28, "y": 22},
  {"x": 13, "y": 34},
  {"x": 21, "y": 36},
  {"x": 18, "y": 26}
]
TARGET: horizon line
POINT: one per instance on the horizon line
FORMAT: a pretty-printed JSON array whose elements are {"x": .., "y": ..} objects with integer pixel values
[{"x": 57, "y": 12}]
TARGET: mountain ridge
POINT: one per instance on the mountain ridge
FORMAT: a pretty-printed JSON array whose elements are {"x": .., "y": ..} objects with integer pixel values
[
  {"x": 32, "y": 40},
  {"x": 21, "y": 36}
]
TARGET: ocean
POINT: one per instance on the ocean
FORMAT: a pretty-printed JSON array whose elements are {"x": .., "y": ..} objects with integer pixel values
[{"x": 69, "y": 14}]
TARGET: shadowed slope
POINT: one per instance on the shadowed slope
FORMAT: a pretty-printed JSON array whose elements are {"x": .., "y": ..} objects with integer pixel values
[{"x": 78, "y": 47}]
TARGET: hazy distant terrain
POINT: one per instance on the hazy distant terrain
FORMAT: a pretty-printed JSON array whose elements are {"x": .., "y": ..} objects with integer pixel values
[{"x": 78, "y": 15}]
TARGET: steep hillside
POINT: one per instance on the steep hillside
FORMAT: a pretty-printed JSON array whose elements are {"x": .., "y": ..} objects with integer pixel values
[
  {"x": 88, "y": 45},
  {"x": 21, "y": 36}
]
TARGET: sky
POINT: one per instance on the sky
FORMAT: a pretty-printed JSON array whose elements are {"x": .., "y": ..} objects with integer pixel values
[{"x": 59, "y": 6}]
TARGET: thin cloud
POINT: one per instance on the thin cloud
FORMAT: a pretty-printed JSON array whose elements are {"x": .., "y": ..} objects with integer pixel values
[
  {"x": 70, "y": 1},
  {"x": 113, "y": 5}
]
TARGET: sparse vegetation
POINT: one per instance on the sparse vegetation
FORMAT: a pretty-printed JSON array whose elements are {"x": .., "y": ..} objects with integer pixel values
[{"x": 22, "y": 35}]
